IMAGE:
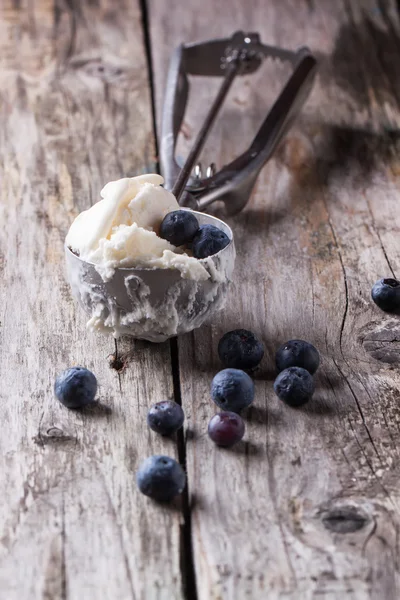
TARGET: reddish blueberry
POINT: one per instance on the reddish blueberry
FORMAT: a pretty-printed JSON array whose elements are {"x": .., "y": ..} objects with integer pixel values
[{"x": 226, "y": 428}]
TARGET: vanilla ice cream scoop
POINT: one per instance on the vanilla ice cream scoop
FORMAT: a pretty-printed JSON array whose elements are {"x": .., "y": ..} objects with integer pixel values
[
  {"x": 121, "y": 229},
  {"x": 130, "y": 280}
]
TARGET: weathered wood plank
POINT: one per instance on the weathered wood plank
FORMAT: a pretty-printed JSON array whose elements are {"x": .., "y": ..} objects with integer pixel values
[
  {"x": 75, "y": 113},
  {"x": 308, "y": 506}
]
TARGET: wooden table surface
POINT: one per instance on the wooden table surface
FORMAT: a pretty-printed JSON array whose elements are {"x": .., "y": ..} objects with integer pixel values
[{"x": 308, "y": 506}]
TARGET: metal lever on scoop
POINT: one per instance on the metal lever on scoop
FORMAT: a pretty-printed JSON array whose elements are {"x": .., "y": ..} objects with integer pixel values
[{"x": 243, "y": 53}]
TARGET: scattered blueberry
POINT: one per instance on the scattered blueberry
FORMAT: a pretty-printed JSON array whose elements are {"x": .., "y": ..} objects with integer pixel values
[
  {"x": 165, "y": 417},
  {"x": 208, "y": 241},
  {"x": 232, "y": 389},
  {"x": 386, "y": 294},
  {"x": 240, "y": 349},
  {"x": 160, "y": 478},
  {"x": 226, "y": 428},
  {"x": 76, "y": 387},
  {"x": 179, "y": 227},
  {"x": 297, "y": 353},
  {"x": 294, "y": 385}
]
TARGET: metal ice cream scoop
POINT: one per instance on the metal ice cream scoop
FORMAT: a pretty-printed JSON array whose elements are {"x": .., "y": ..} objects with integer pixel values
[
  {"x": 152, "y": 304},
  {"x": 241, "y": 54},
  {"x": 155, "y": 304}
]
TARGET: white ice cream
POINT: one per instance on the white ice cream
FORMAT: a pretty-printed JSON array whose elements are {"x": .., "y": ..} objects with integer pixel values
[{"x": 121, "y": 230}]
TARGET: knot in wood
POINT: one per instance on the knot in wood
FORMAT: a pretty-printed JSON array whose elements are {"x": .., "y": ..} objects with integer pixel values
[
  {"x": 345, "y": 519},
  {"x": 100, "y": 69},
  {"x": 381, "y": 340}
]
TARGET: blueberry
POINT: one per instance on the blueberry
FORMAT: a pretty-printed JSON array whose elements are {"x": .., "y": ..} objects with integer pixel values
[
  {"x": 294, "y": 385},
  {"x": 76, "y": 387},
  {"x": 165, "y": 417},
  {"x": 297, "y": 353},
  {"x": 226, "y": 428},
  {"x": 240, "y": 349},
  {"x": 208, "y": 241},
  {"x": 232, "y": 389},
  {"x": 160, "y": 478},
  {"x": 386, "y": 294},
  {"x": 179, "y": 227}
]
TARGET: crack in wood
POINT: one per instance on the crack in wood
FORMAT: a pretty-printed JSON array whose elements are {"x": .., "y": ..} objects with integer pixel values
[
  {"x": 187, "y": 557},
  {"x": 118, "y": 363},
  {"x": 371, "y": 468},
  {"x": 382, "y": 411},
  {"x": 346, "y": 287},
  {"x": 345, "y": 378},
  {"x": 63, "y": 573},
  {"x": 370, "y": 536}
]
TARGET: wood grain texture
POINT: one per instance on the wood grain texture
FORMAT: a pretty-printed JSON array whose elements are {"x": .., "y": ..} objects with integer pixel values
[
  {"x": 308, "y": 506},
  {"x": 75, "y": 113}
]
